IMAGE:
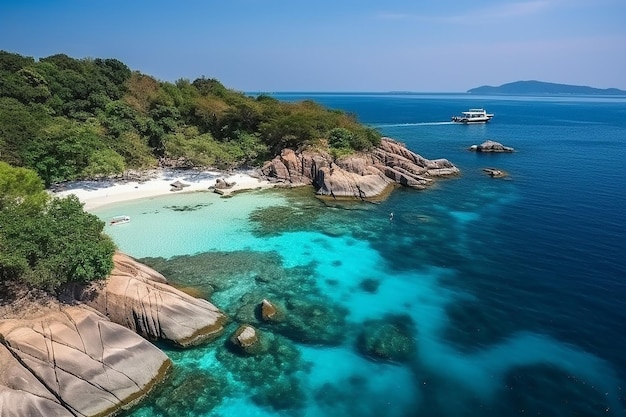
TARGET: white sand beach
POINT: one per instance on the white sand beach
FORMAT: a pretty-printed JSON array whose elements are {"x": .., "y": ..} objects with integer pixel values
[{"x": 95, "y": 194}]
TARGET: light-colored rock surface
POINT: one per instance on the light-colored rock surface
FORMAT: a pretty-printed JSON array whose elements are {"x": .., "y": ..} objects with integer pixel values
[
  {"x": 247, "y": 336},
  {"x": 269, "y": 311},
  {"x": 139, "y": 298},
  {"x": 21, "y": 394},
  {"x": 72, "y": 361},
  {"x": 246, "y": 339},
  {"x": 362, "y": 176}
]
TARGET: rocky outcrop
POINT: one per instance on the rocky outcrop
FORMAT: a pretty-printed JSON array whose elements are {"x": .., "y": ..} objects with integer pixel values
[
  {"x": 491, "y": 146},
  {"x": 269, "y": 312},
  {"x": 246, "y": 339},
  {"x": 72, "y": 361},
  {"x": 495, "y": 173},
  {"x": 140, "y": 299},
  {"x": 87, "y": 358},
  {"x": 363, "y": 176},
  {"x": 222, "y": 184},
  {"x": 223, "y": 187}
]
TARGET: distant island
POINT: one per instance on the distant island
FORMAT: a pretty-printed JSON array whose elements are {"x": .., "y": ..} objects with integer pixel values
[{"x": 540, "y": 87}]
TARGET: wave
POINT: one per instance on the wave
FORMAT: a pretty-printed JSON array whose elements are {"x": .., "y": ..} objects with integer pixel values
[{"x": 412, "y": 124}]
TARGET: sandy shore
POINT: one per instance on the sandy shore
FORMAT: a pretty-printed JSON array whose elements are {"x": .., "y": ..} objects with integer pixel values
[{"x": 95, "y": 194}]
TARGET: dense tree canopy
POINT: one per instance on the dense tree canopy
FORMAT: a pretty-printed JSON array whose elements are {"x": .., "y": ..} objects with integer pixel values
[
  {"x": 71, "y": 118},
  {"x": 46, "y": 242}
]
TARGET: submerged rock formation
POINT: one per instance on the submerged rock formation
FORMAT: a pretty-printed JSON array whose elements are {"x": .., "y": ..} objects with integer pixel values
[
  {"x": 140, "y": 299},
  {"x": 491, "y": 146},
  {"x": 269, "y": 312},
  {"x": 495, "y": 173},
  {"x": 246, "y": 338},
  {"x": 72, "y": 361},
  {"x": 364, "y": 175},
  {"x": 388, "y": 339}
]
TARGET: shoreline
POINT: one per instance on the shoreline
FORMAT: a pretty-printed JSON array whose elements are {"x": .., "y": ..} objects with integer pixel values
[{"x": 97, "y": 193}]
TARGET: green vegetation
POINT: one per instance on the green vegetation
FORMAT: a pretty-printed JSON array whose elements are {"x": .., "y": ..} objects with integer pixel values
[
  {"x": 46, "y": 242},
  {"x": 69, "y": 118},
  {"x": 63, "y": 119}
]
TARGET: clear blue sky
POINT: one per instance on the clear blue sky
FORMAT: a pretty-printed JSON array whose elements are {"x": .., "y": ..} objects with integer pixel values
[{"x": 321, "y": 45}]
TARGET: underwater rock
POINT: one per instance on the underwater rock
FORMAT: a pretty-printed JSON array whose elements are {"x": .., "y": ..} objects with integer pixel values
[
  {"x": 389, "y": 339},
  {"x": 370, "y": 285},
  {"x": 246, "y": 338},
  {"x": 313, "y": 322},
  {"x": 282, "y": 395},
  {"x": 269, "y": 377},
  {"x": 473, "y": 326},
  {"x": 269, "y": 312},
  {"x": 191, "y": 392}
]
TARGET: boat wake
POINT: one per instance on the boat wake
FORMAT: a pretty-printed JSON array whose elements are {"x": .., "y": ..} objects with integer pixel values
[{"x": 413, "y": 124}]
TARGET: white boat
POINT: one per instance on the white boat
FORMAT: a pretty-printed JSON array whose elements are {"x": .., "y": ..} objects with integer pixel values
[
  {"x": 120, "y": 220},
  {"x": 473, "y": 116}
]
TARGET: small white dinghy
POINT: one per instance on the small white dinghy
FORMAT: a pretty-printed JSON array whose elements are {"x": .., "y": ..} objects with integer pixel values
[{"x": 120, "y": 220}]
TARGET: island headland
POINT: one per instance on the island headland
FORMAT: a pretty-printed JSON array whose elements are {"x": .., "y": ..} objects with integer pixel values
[{"x": 363, "y": 176}]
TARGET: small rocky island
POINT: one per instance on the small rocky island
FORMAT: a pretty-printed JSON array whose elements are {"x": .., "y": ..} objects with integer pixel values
[
  {"x": 363, "y": 176},
  {"x": 491, "y": 146},
  {"x": 495, "y": 173}
]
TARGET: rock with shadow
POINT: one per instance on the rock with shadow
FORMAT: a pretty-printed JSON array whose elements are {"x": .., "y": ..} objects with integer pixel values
[{"x": 491, "y": 146}]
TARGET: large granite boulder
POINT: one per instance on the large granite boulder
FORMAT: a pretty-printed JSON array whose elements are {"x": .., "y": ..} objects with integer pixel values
[
  {"x": 72, "y": 361},
  {"x": 140, "y": 299},
  {"x": 296, "y": 169},
  {"x": 22, "y": 394},
  {"x": 339, "y": 183},
  {"x": 365, "y": 175}
]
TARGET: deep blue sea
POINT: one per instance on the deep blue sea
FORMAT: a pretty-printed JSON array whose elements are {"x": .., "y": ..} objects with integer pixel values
[{"x": 482, "y": 297}]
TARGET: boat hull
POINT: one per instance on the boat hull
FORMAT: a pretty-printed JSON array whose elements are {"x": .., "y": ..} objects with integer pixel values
[
  {"x": 473, "y": 116},
  {"x": 474, "y": 120}
]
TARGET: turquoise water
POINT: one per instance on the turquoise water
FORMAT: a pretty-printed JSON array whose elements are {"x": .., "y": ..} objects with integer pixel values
[{"x": 482, "y": 297}]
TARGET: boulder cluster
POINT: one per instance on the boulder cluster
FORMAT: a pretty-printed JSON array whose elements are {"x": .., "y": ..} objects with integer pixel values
[
  {"x": 87, "y": 356},
  {"x": 366, "y": 175}
]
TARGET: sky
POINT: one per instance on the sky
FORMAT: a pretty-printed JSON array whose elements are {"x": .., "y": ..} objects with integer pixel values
[{"x": 322, "y": 45}]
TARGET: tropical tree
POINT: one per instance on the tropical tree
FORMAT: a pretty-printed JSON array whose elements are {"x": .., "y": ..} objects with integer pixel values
[
  {"x": 20, "y": 186},
  {"x": 47, "y": 242}
]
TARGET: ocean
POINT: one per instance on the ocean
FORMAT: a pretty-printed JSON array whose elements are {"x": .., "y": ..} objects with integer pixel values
[{"x": 481, "y": 297}]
